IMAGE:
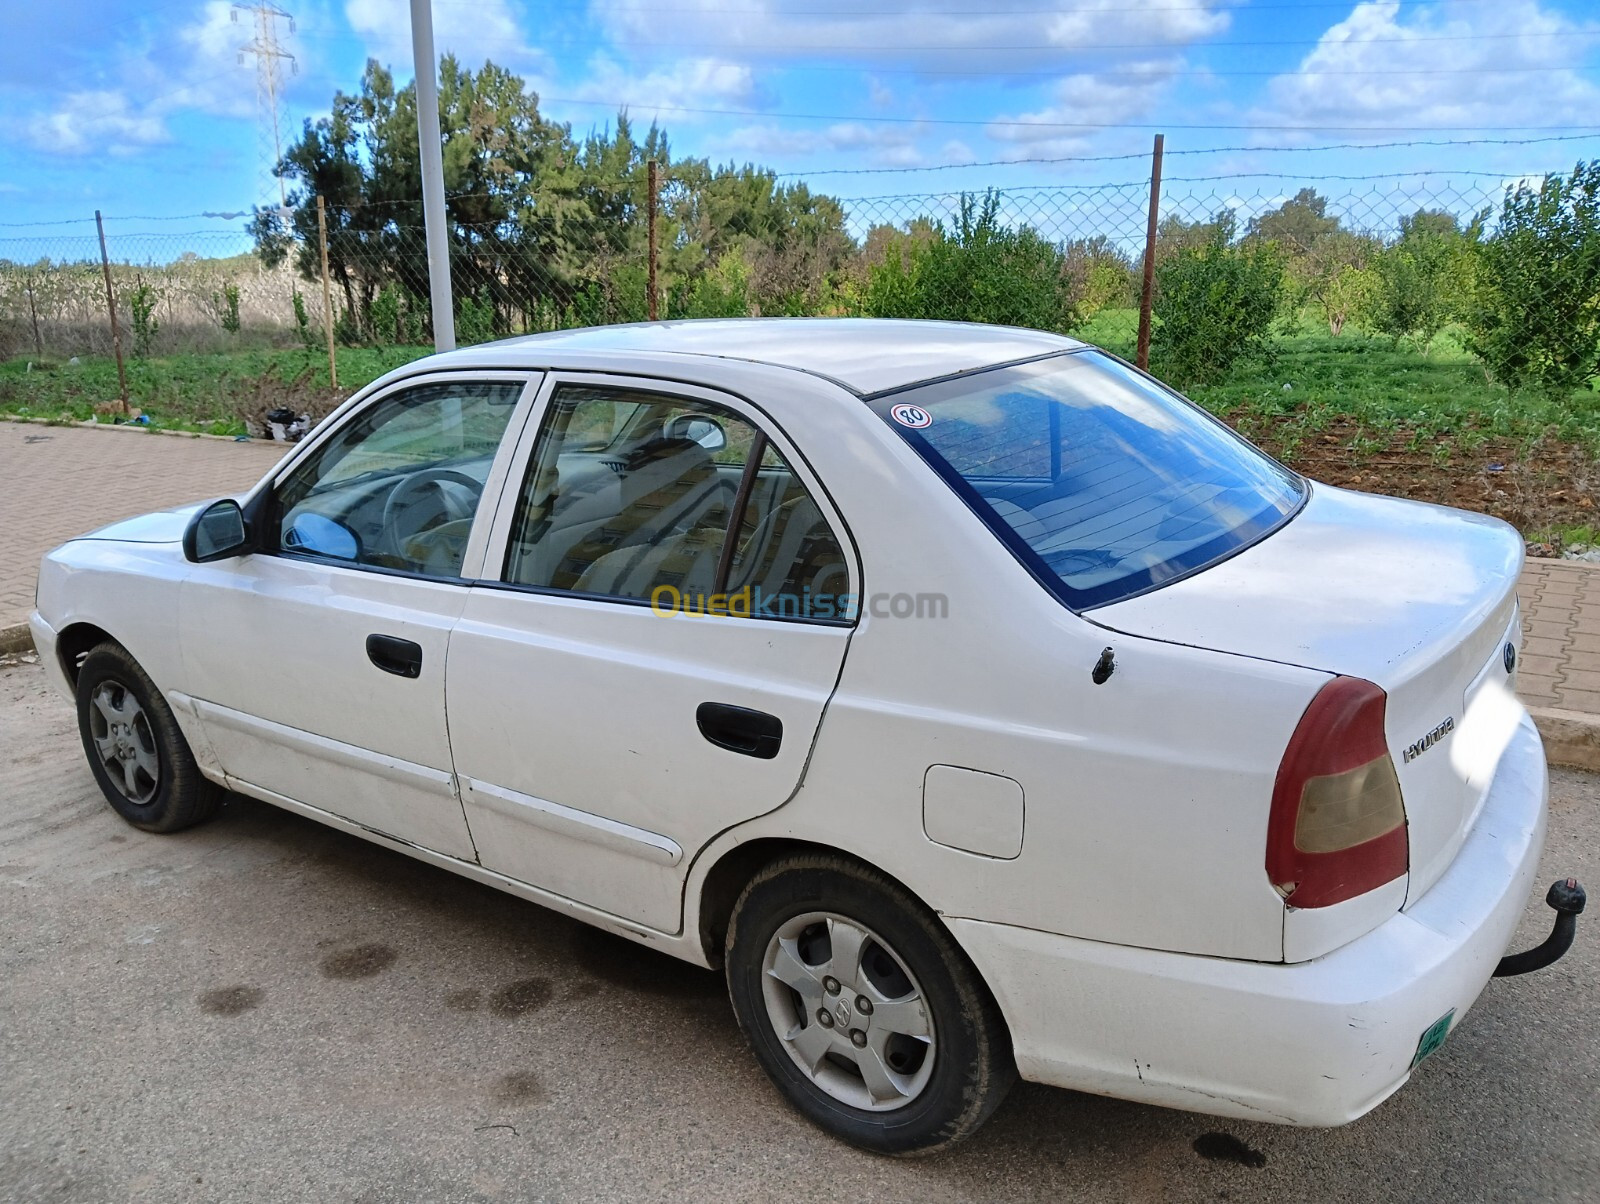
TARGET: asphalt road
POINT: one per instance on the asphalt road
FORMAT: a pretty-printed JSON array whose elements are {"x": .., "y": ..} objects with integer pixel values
[{"x": 263, "y": 1009}]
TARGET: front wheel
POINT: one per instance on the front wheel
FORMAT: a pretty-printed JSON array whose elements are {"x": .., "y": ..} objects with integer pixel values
[
  {"x": 862, "y": 1009},
  {"x": 135, "y": 748}
]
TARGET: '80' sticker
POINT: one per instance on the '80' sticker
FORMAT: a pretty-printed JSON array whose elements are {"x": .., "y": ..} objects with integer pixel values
[{"x": 913, "y": 416}]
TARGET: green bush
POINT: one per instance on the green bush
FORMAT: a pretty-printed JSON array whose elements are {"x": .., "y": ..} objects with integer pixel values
[
  {"x": 142, "y": 300},
  {"x": 310, "y": 337},
  {"x": 723, "y": 291},
  {"x": 474, "y": 320},
  {"x": 1421, "y": 279},
  {"x": 226, "y": 305},
  {"x": 981, "y": 271},
  {"x": 1534, "y": 317},
  {"x": 1214, "y": 304}
]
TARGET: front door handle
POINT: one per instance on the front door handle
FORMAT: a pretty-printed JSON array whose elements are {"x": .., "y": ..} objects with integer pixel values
[
  {"x": 739, "y": 729},
  {"x": 390, "y": 653}
]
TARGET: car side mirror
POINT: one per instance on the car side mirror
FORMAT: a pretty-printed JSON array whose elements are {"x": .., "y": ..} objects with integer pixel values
[{"x": 216, "y": 532}]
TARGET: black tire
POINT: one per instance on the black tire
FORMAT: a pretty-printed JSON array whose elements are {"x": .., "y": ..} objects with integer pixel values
[
  {"x": 177, "y": 795},
  {"x": 973, "y": 1066}
]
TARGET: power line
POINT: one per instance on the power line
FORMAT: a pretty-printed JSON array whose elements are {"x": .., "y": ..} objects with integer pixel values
[
  {"x": 847, "y": 118},
  {"x": 1065, "y": 10},
  {"x": 1199, "y": 150},
  {"x": 1074, "y": 48}
]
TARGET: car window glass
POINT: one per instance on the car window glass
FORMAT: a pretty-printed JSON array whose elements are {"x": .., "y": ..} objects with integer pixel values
[
  {"x": 398, "y": 484},
  {"x": 787, "y": 556},
  {"x": 1108, "y": 483},
  {"x": 632, "y": 495}
]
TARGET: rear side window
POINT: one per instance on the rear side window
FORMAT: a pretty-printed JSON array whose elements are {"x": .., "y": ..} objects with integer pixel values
[
  {"x": 675, "y": 502},
  {"x": 1101, "y": 481}
]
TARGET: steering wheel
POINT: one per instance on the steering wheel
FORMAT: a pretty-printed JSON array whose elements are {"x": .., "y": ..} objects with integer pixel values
[{"x": 425, "y": 500}]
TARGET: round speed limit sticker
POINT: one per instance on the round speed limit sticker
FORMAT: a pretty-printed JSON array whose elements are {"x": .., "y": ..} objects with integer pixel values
[{"x": 913, "y": 416}]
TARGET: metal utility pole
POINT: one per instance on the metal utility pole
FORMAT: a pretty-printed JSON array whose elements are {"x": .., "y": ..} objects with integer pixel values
[
  {"x": 269, "y": 85},
  {"x": 111, "y": 305},
  {"x": 651, "y": 305},
  {"x": 1142, "y": 355},
  {"x": 428, "y": 143},
  {"x": 327, "y": 293},
  {"x": 33, "y": 312}
]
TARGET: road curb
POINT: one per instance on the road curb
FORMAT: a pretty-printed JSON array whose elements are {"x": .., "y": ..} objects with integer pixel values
[
  {"x": 143, "y": 430},
  {"x": 1571, "y": 738},
  {"x": 16, "y": 638}
]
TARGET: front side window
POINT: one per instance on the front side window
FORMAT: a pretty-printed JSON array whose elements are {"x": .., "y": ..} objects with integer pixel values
[
  {"x": 673, "y": 501},
  {"x": 1101, "y": 481},
  {"x": 397, "y": 486}
]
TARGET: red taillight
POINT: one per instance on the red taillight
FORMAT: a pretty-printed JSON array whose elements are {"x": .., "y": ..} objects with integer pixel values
[{"x": 1338, "y": 824}]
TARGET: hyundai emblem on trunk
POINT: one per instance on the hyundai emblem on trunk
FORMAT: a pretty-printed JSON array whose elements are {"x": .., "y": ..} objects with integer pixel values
[
  {"x": 1510, "y": 657},
  {"x": 1437, "y": 734}
]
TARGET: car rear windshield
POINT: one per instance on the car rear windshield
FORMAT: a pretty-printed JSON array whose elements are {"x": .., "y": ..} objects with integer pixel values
[{"x": 1104, "y": 483}]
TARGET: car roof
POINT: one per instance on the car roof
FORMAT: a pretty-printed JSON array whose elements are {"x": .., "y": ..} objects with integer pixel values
[{"x": 865, "y": 355}]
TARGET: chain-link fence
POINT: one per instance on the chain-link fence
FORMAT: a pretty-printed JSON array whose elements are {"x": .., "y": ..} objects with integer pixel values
[{"x": 1065, "y": 257}]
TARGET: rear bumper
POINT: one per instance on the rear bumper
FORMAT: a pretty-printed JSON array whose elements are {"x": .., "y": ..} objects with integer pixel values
[{"x": 1314, "y": 1043}]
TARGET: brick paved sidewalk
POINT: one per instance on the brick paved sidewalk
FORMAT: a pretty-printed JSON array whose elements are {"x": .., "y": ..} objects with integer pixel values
[
  {"x": 60, "y": 481},
  {"x": 57, "y": 482}
]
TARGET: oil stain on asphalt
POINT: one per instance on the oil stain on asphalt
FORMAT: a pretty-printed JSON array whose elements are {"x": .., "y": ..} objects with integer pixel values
[
  {"x": 521, "y": 997},
  {"x": 1224, "y": 1147},
  {"x": 362, "y": 961},
  {"x": 230, "y": 1001},
  {"x": 519, "y": 1087}
]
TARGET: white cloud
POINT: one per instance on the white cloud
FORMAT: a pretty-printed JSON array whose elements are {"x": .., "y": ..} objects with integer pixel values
[
  {"x": 689, "y": 83},
  {"x": 883, "y": 146},
  {"x": 472, "y": 30},
  {"x": 195, "y": 68},
  {"x": 1462, "y": 51},
  {"x": 87, "y": 120},
  {"x": 906, "y": 31},
  {"x": 1086, "y": 99}
]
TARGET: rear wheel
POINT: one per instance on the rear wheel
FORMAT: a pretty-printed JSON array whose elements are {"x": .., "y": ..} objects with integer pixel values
[
  {"x": 862, "y": 1009},
  {"x": 135, "y": 748}
]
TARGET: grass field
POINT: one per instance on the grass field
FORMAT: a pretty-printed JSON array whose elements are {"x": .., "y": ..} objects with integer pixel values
[{"x": 1352, "y": 410}]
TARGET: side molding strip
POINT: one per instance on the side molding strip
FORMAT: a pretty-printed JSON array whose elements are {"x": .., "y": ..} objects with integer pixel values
[{"x": 569, "y": 821}]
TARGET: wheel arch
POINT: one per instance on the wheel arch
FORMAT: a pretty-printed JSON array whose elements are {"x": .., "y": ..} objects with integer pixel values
[
  {"x": 74, "y": 642},
  {"x": 733, "y": 869}
]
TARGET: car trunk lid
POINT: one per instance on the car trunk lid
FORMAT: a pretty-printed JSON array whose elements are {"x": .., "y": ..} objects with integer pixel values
[{"x": 1419, "y": 599}]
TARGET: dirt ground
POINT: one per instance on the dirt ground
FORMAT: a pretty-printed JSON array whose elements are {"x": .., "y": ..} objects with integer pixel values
[{"x": 1538, "y": 488}]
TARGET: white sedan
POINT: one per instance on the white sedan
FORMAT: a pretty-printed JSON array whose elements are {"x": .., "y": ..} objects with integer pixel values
[{"x": 978, "y": 704}]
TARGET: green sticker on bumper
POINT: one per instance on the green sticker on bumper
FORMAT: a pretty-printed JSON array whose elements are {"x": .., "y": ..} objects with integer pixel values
[{"x": 1433, "y": 1036}]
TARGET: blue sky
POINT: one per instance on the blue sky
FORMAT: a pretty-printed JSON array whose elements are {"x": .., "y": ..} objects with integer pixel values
[{"x": 145, "y": 109}]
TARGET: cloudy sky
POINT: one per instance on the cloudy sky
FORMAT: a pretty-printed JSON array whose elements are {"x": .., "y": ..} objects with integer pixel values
[{"x": 147, "y": 109}]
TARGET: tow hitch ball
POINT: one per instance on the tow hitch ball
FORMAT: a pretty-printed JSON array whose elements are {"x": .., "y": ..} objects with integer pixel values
[{"x": 1566, "y": 896}]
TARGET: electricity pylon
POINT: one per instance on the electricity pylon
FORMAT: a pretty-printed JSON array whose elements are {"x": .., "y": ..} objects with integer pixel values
[{"x": 270, "y": 57}]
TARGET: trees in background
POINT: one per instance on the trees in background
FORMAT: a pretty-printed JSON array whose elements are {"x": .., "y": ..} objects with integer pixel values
[
  {"x": 548, "y": 230},
  {"x": 979, "y": 270},
  {"x": 1534, "y": 312},
  {"x": 1422, "y": 277},
  {"x": 1215, "y": 304},
  {"x": 544, "y": 229}
]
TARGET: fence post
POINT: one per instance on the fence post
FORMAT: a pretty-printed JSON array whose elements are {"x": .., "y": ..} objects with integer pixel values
[
  {"x": 111, "y": 305},
  {"x": 651, "y": 302},
  {"x": 33, "y": 313},
  {"x": 327, "y": 293},
  {"x": 1142, "y": 358}
]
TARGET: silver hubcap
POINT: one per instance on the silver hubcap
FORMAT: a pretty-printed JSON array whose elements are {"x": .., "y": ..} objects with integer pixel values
[
  {"x": 124, "y": 741},
  {"x": 848, "y": 1011}
]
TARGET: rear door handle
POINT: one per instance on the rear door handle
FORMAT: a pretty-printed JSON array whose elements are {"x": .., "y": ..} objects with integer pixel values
[
  {"x": 739, "y": 729},
  {"x": 390, "y": 653}
]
